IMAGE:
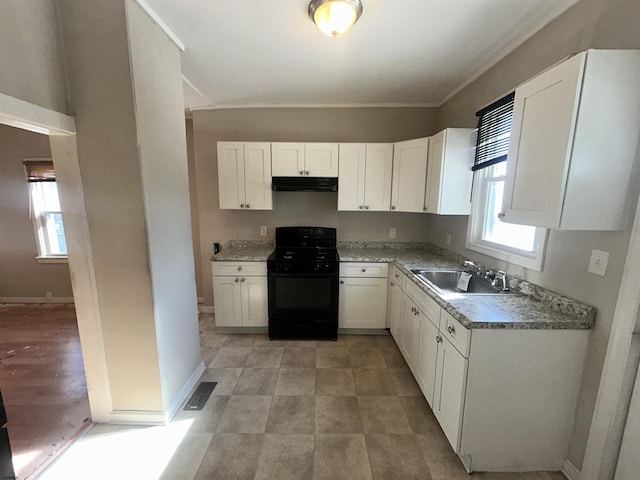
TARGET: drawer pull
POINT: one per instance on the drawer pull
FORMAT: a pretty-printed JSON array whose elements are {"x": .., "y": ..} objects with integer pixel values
[
  {"x": 307, "y": 172},
  {"x": 237, "y": 280},
  {"x": 451, "y": 329},
  {"x": 239, "y": 267},
  {"x": 242, "y": 279},
  {"x": 242, "y": 205},
  {"x": 341, "y": 282},
  {"x": 364, "y": 270},
  {"x": 301, "y": 172}
]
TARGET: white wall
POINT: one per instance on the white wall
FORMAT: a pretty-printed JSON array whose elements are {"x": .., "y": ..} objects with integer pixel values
[
  {"x": 160, "y": 123},
  {"x": 31, "y": 53},
  {"x": 589, "y": 24}
]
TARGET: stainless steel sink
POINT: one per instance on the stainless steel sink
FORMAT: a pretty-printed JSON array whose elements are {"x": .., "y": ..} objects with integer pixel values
[{"x": 446, "y": 281}]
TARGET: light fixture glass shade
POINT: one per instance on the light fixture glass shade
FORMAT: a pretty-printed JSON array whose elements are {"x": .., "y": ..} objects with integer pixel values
[{"x": 334, "y": 17}]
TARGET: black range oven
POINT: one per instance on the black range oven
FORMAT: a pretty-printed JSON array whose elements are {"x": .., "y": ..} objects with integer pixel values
[{"x": 303, "y": 276}]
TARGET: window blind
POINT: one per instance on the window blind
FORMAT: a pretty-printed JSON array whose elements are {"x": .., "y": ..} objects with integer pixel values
[
  {"x": 494, "y": 130},
  {"x": 40, "y": 171}
]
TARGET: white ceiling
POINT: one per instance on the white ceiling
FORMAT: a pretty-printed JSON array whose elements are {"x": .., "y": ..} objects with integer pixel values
[{"x": 401, "y": 52}]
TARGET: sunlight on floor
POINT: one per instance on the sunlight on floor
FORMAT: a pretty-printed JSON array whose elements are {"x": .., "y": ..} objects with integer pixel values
[
  {"x": 21, "y": 460},
  {"x": 109, "y": 451}
]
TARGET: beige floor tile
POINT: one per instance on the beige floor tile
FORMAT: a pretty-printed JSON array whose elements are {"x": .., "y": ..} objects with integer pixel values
[
  {"x": 231, "y": 456},
  {"x": 405, "y": 383},
  {"x": 436, "y": 448},
  {"x": 226, "y": 379},
  {"x": 286, "y": 457},
  {"x": 298, "y": 357},
  {"x": 292, "y": 415},
  {"x": 245, "y": 414},
  {"x": 332, "y": 357},
  {"x": 230, "y": 357},
  {"x": 420, "y": 415},
  {"x": 303, "y": 343},
  {"x": 362, "y": 341},
  {"x": 453, "y": 470},
  {"x": 366, "y": 358},
  {"x": 341, "y": 457},
  {"x": 240, "y": 340},
  {"x": 338, "y": 415},
  {"x": 383, "y": 415},
  {"x": 396, "y": 457},
  {"x": 207, "y": 419},
  {"x": 296, "y": 381},
  {"x": 186, "y": 461},
  {"x": 335, "y": 382},
  {"x": 257, "y": 381},
  {"x": 374, "y": 381},
  {"x": 264, "y": 357},
  {"x": 393, "y": 358},
  {"x": 386, "y": 341}
]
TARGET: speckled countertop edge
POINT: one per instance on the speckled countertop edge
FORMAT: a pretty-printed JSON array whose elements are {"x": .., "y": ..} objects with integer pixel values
[{"x": 534, "y": 308}]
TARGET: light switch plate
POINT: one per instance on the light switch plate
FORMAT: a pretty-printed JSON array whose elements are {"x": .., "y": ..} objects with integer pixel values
[
  {"x": 598, "y": 262},
  {"x": 263, "y": 230},
  {"x": 392, "y": 233}
]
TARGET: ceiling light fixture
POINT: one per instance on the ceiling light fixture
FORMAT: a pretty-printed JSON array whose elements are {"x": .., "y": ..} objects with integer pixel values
[{"x": 334, "y": 17}]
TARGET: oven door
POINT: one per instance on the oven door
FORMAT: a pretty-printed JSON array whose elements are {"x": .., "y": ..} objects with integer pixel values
[{"x": 303, "y": 305}]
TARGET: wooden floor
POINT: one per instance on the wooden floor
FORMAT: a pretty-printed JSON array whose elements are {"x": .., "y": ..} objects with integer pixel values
[{"x": 42, "y": 380}]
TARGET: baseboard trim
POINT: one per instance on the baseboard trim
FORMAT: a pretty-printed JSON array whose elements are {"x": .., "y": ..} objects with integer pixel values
[
  {"x": 571, "y": 471},
  {"x": 36, "y": 300},
  {"x": 207, "y": 309},
  {"x": 179, "y": 399}
]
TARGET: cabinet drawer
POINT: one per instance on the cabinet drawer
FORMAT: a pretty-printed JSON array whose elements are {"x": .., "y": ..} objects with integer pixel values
[
  {"x": 459, "y": 336},
  {"x": 239, "y": 268},
  {"x": 352, "y": 269},
  {"x": 427, "y": 304}
]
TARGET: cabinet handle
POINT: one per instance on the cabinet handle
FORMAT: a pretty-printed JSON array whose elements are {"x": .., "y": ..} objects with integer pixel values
[
  {"x": 438, "y": 338},
  {"x": 239, "y": 268},
  {"x": 237, "y": 280},
  {"x": 242, "y": 205},
  {"x": 341, "y": 282},
  {"x": 307, "y": 172},
  {"x": 451, "y": 329},
  {"x": 301, "y": 172},
  {"x": 417, "y": 312},
  {"x": 392, "y": 284},
  {"x": 242, "y": 279},
  {"x": 366, "y": 207},
  {"x": 364, "y": 270},
  {"x": 397, "y": 276},
  {"x": 360, "y": 207},
  {"x": 501, "y": 215},
  {"x": 393, "y": 207},
  {"x": 424, "y": 209}
]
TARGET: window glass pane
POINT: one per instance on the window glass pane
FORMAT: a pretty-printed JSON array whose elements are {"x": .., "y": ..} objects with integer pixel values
[
  {"x": 55, "y": 234},
  {"x": 50, "y": 195},
  {"x": 495, "y": 230}
]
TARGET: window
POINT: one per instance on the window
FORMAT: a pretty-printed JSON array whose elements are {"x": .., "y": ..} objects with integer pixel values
[
  {"x": 519, "y": 244},
  {"x": 45, "y": 209}
]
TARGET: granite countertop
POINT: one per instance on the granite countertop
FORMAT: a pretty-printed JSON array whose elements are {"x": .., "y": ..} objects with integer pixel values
[{"x": 532, "y": 308}]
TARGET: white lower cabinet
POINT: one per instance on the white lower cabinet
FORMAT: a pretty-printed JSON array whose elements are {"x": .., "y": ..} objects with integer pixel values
[
  {"x": 240, "y": 294},
  {"x": 505, "y": 398},
  {"x": 363, "y": 295}
]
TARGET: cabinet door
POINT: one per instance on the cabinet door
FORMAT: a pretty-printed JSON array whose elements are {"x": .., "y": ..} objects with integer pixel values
[
  {"x": 362, "y": 302},
  {"x": 257, "y": 176},
  {"x": 427, "y": 358},
  {"x": 321, "y": 159},
  {"x": 544, "y": 116},
  {"x": 434, "y": 172},
  {"x": 227, "y": 301},
  {"x": 254, "y": 302},
  {"x": 406, "y": 317},
  {"x": 287, "y": 159},
  {"x": 409, "y": 175},
  {"x": 231, "y": 175},
  {"x": 377, "y": 179},
  {"x": 351, "y": 173},
  {"x": 451, "y": 381}
]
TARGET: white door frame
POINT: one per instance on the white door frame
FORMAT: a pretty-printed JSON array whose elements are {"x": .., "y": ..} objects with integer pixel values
[
  {"x": 619, "y": 371},
  {"x": 61, "y": 130}
]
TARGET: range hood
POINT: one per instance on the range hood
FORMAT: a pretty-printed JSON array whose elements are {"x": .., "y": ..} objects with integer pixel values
[{"x": 304, "y": 184}]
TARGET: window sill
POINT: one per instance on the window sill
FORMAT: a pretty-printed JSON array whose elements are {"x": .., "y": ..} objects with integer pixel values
[
  {"x": 60, "y": 259},
  {"x": 532, "y": 263}
]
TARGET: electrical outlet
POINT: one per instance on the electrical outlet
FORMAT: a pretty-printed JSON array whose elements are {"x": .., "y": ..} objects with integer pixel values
[
  {"x": 263, "y": 230},
  {"x": 448, "y": 239},
  {"x": 392, "y": 233},
  {"x": 49, "y": 295},
  {"x": 598, "y": 262}
]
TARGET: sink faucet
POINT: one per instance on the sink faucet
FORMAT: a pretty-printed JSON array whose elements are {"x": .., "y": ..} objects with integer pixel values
[
  {"x": 501, "y": 278},
  {"x": 470, "y": 264}
]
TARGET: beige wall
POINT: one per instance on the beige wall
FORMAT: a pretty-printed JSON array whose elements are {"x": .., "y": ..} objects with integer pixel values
[
  {"x": 22, "y": 275},
  {"x": 298, "y": 208},
  {"x": 31, "y": 53},
  {"x": 589, "y": 24},
  {"x": 193, "y": 196}
]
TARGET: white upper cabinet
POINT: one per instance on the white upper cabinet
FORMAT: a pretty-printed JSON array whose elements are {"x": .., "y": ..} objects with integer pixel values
[
  {"x": 409, "y": 175},
  {"x": 310, "y": 159},
  {"x": 365, "y": 176},
  {"x": 449, "y": 175},
  {"x": 573, "y": 143},
  {"x": 244, "y": 175}
]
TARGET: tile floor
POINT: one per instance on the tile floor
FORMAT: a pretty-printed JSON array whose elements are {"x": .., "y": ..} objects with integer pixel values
[{"x": 292, "y": 410}]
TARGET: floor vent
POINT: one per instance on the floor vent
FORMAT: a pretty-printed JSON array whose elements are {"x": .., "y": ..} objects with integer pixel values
[{"x": 200, "y": 396}]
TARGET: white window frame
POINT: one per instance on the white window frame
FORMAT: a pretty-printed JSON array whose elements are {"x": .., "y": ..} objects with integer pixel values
[
  {"x": 39, "y": 225},
  {"x": 477, "y": 220}
]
